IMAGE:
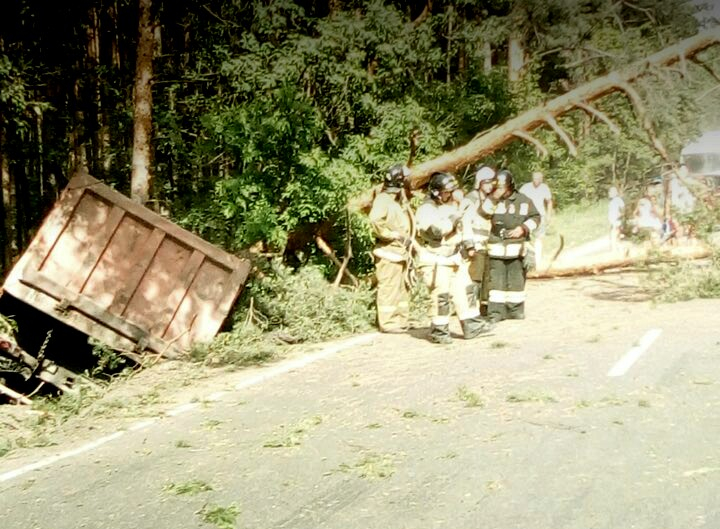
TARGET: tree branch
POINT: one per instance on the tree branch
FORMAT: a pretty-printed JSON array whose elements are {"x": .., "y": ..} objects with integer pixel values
[
  {"x": 564, "y": 136},
  {"x": 325, "y": 248},
  {"x": 707, "y": 68},
  {"x": 425, "y": 13},
  {"x": 600, "y": 115},
  {"x": 530, "y": 139},
  {"x": 644, "y": 119}
]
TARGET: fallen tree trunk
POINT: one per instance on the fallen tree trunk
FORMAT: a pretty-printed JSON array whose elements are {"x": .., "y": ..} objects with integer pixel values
[
  {"x": 579, "y": 98},
  {"x": 697, "y": 252}
]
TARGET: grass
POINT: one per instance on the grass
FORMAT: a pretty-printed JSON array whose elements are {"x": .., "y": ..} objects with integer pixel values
[
  {"x": 410, "y": 414},
  {"x": 211, "y": 424},
  {"x": 578, "y": 224},
  {"x": 470, "y": 398},
  {"x": 499, "y": 345},
  {"x": 372, "y": 466},
  {"x": 515, "y": 398},
  {"x": 190, "y": 488},
  {"x": 294, "y": 434},
  {"x": 182, "y": 444},
  {"x": 219, "y": 516}
]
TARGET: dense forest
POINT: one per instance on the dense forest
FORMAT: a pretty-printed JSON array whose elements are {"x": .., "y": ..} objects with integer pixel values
[{"x": 252, "y": 123}]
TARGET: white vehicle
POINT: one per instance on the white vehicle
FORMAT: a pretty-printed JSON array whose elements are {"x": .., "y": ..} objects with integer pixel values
[{"x": 702, "y": 158}]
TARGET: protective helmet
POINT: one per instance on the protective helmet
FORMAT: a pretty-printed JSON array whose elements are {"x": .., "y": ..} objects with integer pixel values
[
  {"x": 505, "y": 180},
  {"x": 484, "y": 174},
  {"x": 395, "y": 176},
  {"x": 440, "y": 183}
]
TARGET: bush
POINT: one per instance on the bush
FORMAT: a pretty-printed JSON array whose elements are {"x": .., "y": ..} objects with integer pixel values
[
  {"x": 284, "y": 306},
  {"x": 685, "y": 281}
]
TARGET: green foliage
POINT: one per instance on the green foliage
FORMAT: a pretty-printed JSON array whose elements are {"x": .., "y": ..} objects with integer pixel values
[
  {"x": 58, "y": 410},
  {"x": 281, "y": 305},
  {"x": 108, "y": 361},
  {"x": 685, "y": 281},
  {"x": 8, "y": 326},
  {"x": 244, "y": 345},
  {"x": 303, "y": 304},
  {"x": 220, "y": 516},
  {"x": 469, "y": 397},
  {"x": 190, "y": 488}
]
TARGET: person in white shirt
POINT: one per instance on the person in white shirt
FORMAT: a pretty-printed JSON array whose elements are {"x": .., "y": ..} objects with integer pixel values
[
  {"x": 541, "y": 196},
  {"x": 616, "y": 209},
  {"x": 682, "y": 199}
]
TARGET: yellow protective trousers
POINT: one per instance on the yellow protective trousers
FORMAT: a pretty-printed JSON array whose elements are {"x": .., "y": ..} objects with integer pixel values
[
  {"x": 449, "y": 283},
  {"x": 393, "y": 298}
]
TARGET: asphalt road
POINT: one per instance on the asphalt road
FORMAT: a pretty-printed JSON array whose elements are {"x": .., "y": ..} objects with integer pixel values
[{"x": 522, "y": 429}]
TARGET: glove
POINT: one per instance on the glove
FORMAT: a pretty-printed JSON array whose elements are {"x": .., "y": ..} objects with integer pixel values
[{"x": 467, "y": 249}]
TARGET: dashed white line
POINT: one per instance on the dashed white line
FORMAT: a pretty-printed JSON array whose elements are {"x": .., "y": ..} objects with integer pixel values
[
  {"x": 625, "y": 363},
  {"x": 285, "y": 367}
]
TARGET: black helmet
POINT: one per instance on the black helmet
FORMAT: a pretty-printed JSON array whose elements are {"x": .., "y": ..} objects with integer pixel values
[
  {"x": 394, "y": 179},
  {"x": 442, "y": 182},
  {"x": 505, "y": 180}
]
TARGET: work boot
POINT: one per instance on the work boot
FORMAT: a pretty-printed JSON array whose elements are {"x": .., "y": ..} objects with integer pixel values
[
  {"x": 394, "y": 330},
  {"x": 516, "y": 315},
  {"x": 474, "y": 327},
  {"x": 440, "y": 334}
]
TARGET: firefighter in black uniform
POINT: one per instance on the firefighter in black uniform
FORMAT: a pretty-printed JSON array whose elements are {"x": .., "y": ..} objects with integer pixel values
[{"x": 513, "y": 219}]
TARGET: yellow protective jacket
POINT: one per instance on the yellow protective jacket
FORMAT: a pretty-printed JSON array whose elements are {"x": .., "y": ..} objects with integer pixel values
[
  {"x": 476, "y": 225},
  {"x": 439, "y": 233},
  {"x": 392, "y": 222}
]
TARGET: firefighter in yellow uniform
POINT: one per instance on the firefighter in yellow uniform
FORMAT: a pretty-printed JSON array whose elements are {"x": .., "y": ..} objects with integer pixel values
[
  {"x": 514, "y": 218},
  {"x": 477, "y": 230},
  {"x": 392, "y": 222},
  {"x": 440, "y": 263}
]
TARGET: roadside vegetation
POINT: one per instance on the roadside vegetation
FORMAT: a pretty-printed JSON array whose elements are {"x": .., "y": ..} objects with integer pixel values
[{"x": 686, "y": 280}]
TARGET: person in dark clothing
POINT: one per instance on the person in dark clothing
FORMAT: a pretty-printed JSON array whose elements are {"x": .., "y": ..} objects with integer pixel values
[{"x": 513, "y": 219}]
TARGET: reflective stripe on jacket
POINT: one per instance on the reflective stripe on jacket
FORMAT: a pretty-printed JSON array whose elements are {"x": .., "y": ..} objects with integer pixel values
[{"x": 509, "y": 213}]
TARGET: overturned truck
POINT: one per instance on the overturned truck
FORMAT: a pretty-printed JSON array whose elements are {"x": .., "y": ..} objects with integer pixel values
[{"x": 124, "y": 275}]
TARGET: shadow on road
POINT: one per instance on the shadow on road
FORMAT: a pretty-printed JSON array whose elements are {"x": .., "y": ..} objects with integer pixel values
[{"x": 617, "y": 289}]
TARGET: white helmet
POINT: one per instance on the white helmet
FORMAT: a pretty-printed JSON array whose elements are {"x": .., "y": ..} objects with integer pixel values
[{"x": 483, "y": 174}]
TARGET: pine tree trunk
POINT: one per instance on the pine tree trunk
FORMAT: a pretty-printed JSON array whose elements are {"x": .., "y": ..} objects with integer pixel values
[
  {"x": 141, "y": 179},
  {"x": 516, "y": 58},
  {"x": 487, "y": 53},
  {"x": 7, "y": 206}
]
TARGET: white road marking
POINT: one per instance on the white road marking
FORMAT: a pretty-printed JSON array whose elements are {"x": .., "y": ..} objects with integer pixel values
[
  {"x": 213, "y": 397},
  {"x": 182, "y": 409},
  {"x": 7, "y": 476},
  {"x": 305, "y": 360},
  {"x": 632, "y": 356},
  {"x": 269, "y": 373},
  {"x": 141, "y": 425}
]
